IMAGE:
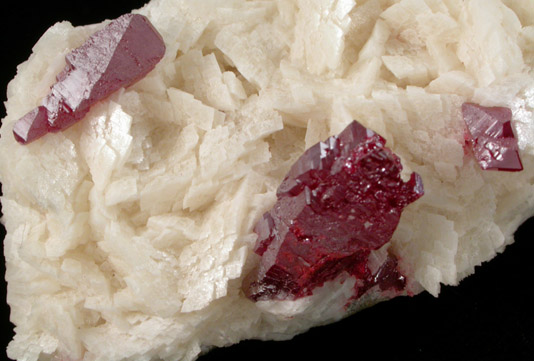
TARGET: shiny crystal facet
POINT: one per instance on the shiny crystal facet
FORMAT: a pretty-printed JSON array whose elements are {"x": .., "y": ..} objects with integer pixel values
[
  {"x": 342, "y": 199},
  {"x": 31, "y": 126},
  {"x": 491, "y": 137},
  {"x": 117, "y": 56}
]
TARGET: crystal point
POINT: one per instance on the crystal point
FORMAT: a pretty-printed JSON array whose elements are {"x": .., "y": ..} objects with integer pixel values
[
  {"x": 491, "y": 137},
  {"x": 341, "y": 200},
  {"x": 31, "y": 126},
  {"x": 117, "y": 56}
]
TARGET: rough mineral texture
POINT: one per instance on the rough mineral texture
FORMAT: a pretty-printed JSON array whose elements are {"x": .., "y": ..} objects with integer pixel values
[
  {"x": 130, "y": 235},
  {"x": 115, "y": 57},
  {"x": 341, "y": 199}
]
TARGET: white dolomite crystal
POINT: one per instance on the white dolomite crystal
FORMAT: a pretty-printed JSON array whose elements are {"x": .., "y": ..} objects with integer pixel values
[{"x": 129, "y": 235}]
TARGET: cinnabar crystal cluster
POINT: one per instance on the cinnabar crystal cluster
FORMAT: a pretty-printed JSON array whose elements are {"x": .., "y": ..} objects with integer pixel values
[{"x": 341, "y": 200}]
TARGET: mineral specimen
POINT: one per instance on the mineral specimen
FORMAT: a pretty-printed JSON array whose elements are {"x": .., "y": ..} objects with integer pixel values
[
  {"x": 491, "y": 137},
  {"x": 341, "y": 199},
  {"x": 117, "y": 56},
  {"x": 129, "y": 236}
]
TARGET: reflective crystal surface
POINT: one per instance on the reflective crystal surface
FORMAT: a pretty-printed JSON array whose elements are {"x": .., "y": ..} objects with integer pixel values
[
  {"x": 342, "y": 199},
  {"x": 117, "y": 56},
  {"x": 491, "y": 137},
  {"x": 31, "y": 126}
]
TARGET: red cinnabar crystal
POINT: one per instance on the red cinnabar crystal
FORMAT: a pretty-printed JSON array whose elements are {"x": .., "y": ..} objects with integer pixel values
[
  {"x": 342, "y": 199},
  {"x": 491, "y": 137},
  {"x": 117, "y": 56}
]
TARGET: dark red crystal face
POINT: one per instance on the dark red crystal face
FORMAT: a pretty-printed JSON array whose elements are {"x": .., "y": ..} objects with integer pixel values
[
  {"x": 342, "y": 199},
  {"x": 387, "y": 277},
  {"x": 491, "y": 137},
  {"x": 117, "y": 56}
]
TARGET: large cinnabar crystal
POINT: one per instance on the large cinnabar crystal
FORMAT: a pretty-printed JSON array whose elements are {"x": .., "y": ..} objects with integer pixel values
[
  {"x": 342, "y": 199},
  {"x": 491, "y": 137},
  {"x": 117, "y": 56}
]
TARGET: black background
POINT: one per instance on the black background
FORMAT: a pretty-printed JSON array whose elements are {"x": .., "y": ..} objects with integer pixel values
[{"x": 490, "y": 316}]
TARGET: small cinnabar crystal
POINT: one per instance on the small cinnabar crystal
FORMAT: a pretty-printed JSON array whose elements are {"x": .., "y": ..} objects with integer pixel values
[
  {"x": 117, "y": 56},
  {"x": 491, "y": 137},
  {"x": 341, "y": 200}
]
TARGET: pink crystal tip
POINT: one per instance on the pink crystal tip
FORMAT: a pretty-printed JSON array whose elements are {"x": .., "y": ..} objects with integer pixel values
[{"x": 31, "y": 126}]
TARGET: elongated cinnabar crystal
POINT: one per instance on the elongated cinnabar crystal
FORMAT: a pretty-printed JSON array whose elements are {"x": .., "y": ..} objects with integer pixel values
[
  {"x": 117, "y": 56},
  {"x": 342, "y": 199}
]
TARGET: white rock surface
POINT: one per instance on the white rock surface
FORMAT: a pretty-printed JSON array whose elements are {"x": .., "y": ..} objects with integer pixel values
[{"x": 129, "y": 234}]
